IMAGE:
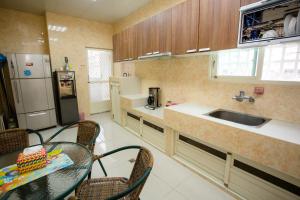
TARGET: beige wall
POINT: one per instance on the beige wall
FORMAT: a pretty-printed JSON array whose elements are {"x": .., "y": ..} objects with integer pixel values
[
  {"x": 186, "y": 80},
  {"x": 141, "y": 14},
  {"x": 22, "y": 32},
  {"x": 72, "y": 43}
]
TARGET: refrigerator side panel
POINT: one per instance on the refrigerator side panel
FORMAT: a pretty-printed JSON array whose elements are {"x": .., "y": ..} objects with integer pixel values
[
  {"x": 30, "y": 65},
  {"x": 12, "y": 66},
  {"x": 22, "y": 121},
  {"x": 49, "y": 90},
  {"x": 47, "y": 68},
  {"x": 34, "y": 95},
  {"x": 16, "y": 89},
  {"x": 52, "y": 114}
]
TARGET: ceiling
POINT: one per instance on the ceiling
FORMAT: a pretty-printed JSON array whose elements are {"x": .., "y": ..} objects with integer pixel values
[{"x": 108, "y": 11}]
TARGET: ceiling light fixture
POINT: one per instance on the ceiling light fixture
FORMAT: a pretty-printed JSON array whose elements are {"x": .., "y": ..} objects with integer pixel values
[{"x": 57, "y": 28}]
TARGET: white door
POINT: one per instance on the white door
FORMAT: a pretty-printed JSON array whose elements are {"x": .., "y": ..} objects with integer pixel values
[{"x": 100, "y": 69}]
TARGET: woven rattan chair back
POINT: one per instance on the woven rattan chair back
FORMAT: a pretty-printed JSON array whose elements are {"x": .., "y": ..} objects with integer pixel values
[
  {"x": 143, "y": 162},
  {"x": 87, "y": 131},
  {"x": 13, "y": 140}
]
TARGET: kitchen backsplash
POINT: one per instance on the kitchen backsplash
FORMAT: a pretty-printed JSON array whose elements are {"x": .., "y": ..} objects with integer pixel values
[{"x": 187, "y": 80}]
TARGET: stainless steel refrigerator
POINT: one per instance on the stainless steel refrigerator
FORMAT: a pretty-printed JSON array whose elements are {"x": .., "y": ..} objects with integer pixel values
[{"x": 31, "y": 82}]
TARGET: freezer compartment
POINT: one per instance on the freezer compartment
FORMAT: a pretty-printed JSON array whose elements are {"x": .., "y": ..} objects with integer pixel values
[
  {"x": 37, "y": 120},
  {"x": 34, "y": 95}
]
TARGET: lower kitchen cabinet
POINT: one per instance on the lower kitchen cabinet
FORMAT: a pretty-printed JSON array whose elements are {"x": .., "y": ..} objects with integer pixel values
[
  {"x": 203, "y": 157},
  {"x": 154, "y": 134},
  {"x": 254, "y": 181},
  {"x": 133, "y": 123}
]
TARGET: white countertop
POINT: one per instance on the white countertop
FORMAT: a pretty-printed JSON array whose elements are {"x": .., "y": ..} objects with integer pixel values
[
  {"x": 158, "y": 112},
  {"x": 281, "y": 130},
  {"x": 135, "y": 96}
]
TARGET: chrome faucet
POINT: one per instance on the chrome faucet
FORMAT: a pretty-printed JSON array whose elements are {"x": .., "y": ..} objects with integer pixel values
[{"x": 242, "y": 97}]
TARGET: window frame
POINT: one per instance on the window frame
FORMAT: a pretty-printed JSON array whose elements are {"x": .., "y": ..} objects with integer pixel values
[
  {"x": 257, "y": 79},
  {"x": 87, "y": 64}
]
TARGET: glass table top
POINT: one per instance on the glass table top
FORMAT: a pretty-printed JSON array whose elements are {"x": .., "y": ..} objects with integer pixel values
[{"x": 56, "y": 185}]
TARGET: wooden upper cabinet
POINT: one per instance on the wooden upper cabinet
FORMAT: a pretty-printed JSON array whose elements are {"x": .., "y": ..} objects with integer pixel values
[
  {"x": 132, "y": 42},
  {"x": 205, "y": 25},
  {"x": 125, "y": 44},
  {"x": 144, "y": 38},
  {"x": 161, "y": 32},
  {"x": 123, "y": 52},
  {"x": 225, "y": 24},
  {"x": 185, "y": 27},
  {"x": 247, "y": 2},
  {"x": 117, "y": 47}
]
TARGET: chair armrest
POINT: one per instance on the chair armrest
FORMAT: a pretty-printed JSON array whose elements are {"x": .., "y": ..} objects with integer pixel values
[
  {"x": 96, "y": 157},
  {"x": 61, "y": 130},
  {"x": 30, "y": 131}
]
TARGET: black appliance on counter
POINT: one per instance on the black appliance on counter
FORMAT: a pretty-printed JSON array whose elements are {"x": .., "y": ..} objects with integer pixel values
[
  {"x": 153, "y": 99},
  {"x": 66, "y": 97}
]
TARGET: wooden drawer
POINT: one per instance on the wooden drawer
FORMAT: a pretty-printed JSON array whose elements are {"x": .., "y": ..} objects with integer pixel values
[
  {"x": 201, "y": 155},
  {"x": 154, "y": 134},
  {"x": 253, "y": 182},
  {"x": 133, "y": 123}
]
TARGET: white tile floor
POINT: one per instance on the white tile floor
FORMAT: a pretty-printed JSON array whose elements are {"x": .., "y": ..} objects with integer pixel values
[{"x": 169, "y": 180}]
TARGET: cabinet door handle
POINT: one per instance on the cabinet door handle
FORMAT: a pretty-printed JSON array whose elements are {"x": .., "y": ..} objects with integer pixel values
[
  {"x": 16, "y": 91},
  {"x": 150, "y": 53},
  {"x": 156, "y": 52},
  {"x": 204, "y": 49},
  {"x": 125, "y": 59},
  {"x": 191, "y": 51},
  {"x": 37, "y": 114}
]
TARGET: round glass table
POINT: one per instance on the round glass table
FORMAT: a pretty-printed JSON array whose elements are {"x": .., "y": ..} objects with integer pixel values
[{"x": 56, "y": 185}]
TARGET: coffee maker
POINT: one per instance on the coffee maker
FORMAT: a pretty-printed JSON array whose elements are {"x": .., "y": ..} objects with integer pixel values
[{"x": 153, "y": 99}]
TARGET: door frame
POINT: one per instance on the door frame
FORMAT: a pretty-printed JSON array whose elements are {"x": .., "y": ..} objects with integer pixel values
[{"x": 88, "y": 78}]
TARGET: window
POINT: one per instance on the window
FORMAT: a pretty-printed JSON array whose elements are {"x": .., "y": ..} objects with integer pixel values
[
  {"x": 281, "y": 62},
  {"x": 237, "y": 62},
  {"x": 100, "y": 64},
  {"x": 270, "y": 63}
]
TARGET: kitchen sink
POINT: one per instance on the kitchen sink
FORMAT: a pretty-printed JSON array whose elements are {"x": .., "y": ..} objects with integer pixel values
[{"x": 239, "y": 118}]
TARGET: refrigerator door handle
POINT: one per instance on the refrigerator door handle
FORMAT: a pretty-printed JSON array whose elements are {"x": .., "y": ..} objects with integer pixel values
[
  {"x": 17, "y": 92},
  {"x": 37, "y": 114},
  {"x": 13, "y": 69}
]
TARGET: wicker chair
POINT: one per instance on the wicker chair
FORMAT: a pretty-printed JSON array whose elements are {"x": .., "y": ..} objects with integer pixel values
[
  {"x": 16, "y": 139},
  {"x": 87, "y": 133},
  {"x": 112, "y": 188}
]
